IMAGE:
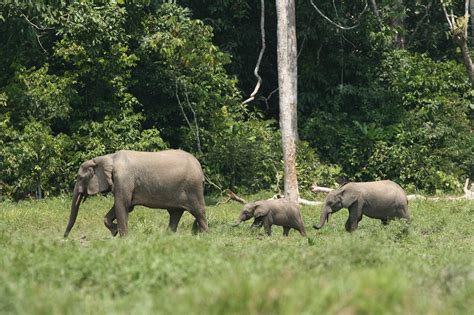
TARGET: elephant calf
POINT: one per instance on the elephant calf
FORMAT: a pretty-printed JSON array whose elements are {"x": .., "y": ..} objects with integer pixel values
[
  {"x": 279, "y": 212},
  {"x": 384, "y": 200}
]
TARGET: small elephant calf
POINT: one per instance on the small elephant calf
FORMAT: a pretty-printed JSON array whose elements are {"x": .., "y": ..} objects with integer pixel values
[{"x": 278, "y": 211}]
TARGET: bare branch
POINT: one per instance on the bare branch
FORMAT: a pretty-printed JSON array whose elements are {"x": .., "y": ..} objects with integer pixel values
[
  {"x": 468, "y": 194},
  {"x": 213, "y": 184},
  {"x": 196, "y": 128},
  {"x": 181, "y": 106},
  {"x": 39, "y": 28},
  {"x": 233, "y": 196},
  {"x": 336, "y": 24},
  {"x": 305, "y": 202},
  {"x": 259, "y": 60},
  {"x": 198, "y": 139},
  {"x": 315, "y": 188}
]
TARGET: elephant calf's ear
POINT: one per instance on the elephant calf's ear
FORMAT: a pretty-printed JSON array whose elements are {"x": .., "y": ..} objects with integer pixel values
[{"x": 260, "y": 211}]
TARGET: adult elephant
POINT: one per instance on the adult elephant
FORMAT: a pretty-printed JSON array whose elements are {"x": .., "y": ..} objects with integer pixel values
[
  {"x": 171, "y": 179},
  {"x": 384, "y": 200}
]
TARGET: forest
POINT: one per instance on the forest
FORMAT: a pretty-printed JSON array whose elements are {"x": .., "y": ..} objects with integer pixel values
[{"x": 384, "y": 91}]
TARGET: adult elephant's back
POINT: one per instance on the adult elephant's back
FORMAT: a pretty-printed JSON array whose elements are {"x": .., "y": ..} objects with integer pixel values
[{"x": 166, "y": 179}]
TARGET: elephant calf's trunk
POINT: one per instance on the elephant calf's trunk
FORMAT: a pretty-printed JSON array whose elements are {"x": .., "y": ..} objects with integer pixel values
[
  {"x": 237, "y": 223},
  {"x": 324, "y": 218}
]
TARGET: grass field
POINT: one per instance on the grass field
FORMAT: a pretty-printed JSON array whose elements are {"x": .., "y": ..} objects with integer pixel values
[{"x": 424, "y": 268}]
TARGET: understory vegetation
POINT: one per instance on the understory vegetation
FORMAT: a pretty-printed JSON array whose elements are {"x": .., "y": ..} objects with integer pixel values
[
  {"x": 86, "y": 78},
  {"x": 422, "y": 268}
]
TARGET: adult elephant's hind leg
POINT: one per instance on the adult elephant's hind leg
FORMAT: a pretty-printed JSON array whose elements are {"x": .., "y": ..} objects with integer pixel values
[
  {"x": 197, "y": 207},
  {"x": 109, "y": 222},
  {"x": 302, "y": 230},
  {"x": 200, "y": 223},
  {"x": 175, "y": 216}
]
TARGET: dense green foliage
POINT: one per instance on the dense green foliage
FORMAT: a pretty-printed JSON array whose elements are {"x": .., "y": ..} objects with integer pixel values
[
  {"x": 424, "y": 268},
  {"x": 85, "y": 78}
]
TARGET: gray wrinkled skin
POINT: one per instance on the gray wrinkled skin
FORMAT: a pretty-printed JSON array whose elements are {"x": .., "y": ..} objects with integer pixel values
[
  {"x": 171, "y": 179},
  {"x": 273, "y": 212},
  {"x": 383, "y": 200}
]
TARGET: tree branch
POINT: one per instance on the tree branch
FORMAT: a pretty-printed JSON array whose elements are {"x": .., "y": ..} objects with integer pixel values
[
  {"x": 34, "y": 26},
  {"x": 259, "y": 60},
  {"x": 336, "y": 24},
  {"x": 315, "y": 188},
  {"x": 427, "y": 13},
  {"x": 196, "y": 131},
  {"x": 447, "y": 16},
  {"x": 198, "y": 139},
  {"x": 233, "y": 196}
]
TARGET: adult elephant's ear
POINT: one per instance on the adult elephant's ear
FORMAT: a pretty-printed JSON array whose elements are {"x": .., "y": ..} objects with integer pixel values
[
  {"x": 260, "y": 210},
  {"x": 102, "y": 179}
]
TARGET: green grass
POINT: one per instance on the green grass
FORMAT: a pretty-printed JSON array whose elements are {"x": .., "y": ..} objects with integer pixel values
[{"x": 424, "y": 268}]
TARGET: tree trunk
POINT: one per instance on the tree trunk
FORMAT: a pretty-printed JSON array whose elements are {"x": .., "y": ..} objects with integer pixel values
[
  {"x": 471, "y": 10},
  {"x": 397, "y": 24},
  {"x": 467, "y": 61},
  {"x": 376, "y": 13},
  {"x": 287, "y": 82}
]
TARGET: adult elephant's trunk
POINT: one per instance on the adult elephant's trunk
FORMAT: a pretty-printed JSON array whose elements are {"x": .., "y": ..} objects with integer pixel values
[
  {"x": 76, "y": 200},
  {"x": 324, "y": 217}
]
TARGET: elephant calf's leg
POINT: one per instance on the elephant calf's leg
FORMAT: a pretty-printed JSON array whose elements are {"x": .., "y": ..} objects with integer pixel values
[
  {"x": 351, "y": 224},
  {"x": 108, "y": 221},
  {"x": 286, "y": 229},
  {"x": 175, "y": 216},
  {"x": 257, "y": 223},
  {"x": 385, "y": 221},
  {"x": 267, "y": 225}
]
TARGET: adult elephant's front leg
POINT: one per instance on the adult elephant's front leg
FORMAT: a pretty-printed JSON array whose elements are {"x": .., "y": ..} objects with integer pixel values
[
  {"x": 355, "y": 215},
  {"x": 122, "y": 206},
  {"x": 109, "y": 221}
]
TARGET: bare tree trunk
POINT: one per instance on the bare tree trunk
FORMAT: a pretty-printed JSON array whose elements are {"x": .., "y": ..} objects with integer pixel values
[
  {"x": 458, "y": 26},
  {"x": 287, "y": 82},
  {"x": 471, "y": 10},
  {"x": 467, "y": 61}
]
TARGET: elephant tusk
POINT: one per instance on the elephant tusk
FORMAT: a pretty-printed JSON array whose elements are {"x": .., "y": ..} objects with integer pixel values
[{"x": 78, "y": 200}]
